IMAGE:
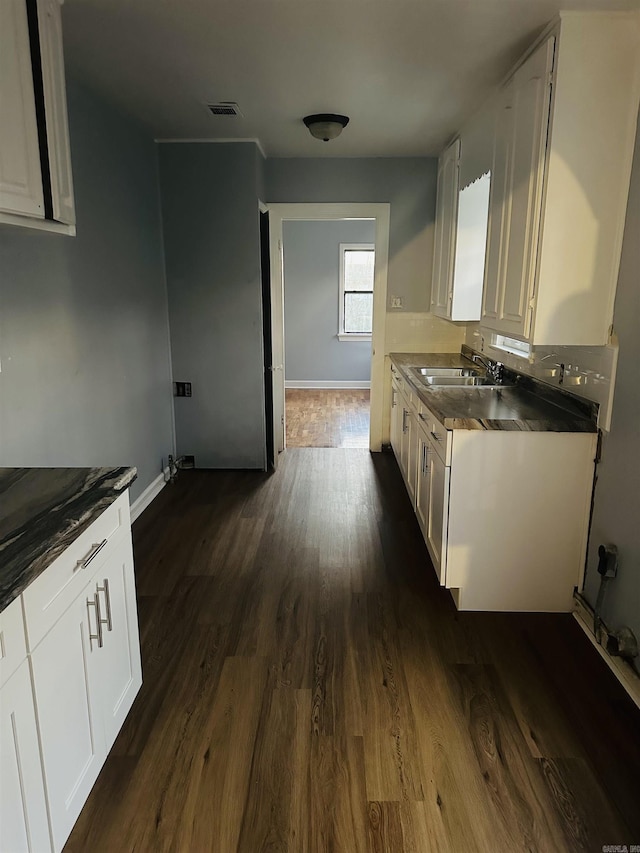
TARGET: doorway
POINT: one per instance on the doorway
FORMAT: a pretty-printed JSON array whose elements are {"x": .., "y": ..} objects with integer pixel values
[
  {"x": 379, "y": 214},
  {"x": 328, "y": 314}
]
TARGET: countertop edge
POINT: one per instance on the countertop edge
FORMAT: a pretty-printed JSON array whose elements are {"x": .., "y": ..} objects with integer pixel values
[{"x": 40, "y": 536}]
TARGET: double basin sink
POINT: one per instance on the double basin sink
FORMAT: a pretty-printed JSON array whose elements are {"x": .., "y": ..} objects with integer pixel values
[{"x": 454, "y": 377}]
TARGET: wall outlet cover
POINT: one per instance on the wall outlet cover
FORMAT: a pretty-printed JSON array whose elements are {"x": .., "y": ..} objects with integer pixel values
[{"x": 396, "y": 302}]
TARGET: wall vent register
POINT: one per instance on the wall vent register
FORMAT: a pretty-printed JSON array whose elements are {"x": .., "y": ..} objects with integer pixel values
[{"x": 224, "y": 108}]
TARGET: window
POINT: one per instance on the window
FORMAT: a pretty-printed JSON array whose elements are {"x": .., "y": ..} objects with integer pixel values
[
  {"x": 515, "y": 347},
  {"x": 356, "y": 291}
]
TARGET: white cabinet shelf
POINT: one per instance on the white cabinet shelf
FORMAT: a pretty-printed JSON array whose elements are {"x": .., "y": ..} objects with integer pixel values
[{"x": 563, "y": 147}]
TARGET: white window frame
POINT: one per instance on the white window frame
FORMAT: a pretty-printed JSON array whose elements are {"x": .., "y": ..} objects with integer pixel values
[
  {"x": 521, "y": 349},
  {"x": 342, "y": 335}
]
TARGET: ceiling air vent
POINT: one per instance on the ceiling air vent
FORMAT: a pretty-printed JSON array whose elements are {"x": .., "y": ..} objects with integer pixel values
[{"x": 225, "y": 108}]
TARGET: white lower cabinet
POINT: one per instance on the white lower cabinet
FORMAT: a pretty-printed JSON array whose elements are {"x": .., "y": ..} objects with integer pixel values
[
  {"x": 432, "y": 493},
  {"x": 86, "y": 674},
  {"x": 66, "y": 682},
  {"x": 504, "y": 514},
  {"x": 119, "y": 668},
  {"x": 438, "y": 513},
  {"x": 396, "y": 420},
  {"x": 23, "y": 823},
  {"x": 63, "y": 706}
]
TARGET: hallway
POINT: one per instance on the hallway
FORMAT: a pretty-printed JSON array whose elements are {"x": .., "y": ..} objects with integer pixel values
[
  {"x": 327, "y": 417},
  {"x": 308, "y": 687}
]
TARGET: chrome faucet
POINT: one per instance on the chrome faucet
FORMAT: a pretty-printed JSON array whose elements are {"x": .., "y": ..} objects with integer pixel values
[{"x": 495, "y": 369}]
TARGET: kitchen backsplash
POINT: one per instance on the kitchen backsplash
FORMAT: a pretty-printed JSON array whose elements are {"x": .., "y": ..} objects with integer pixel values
[
  {"x": 421, "y": 332},
  {"x": 588, "y": 372}
]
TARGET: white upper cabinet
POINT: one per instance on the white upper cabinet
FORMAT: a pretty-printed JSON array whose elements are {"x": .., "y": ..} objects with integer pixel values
[
  {"x": 20, "y": 174},
  {"x": 36, "y": 188},
  {"x": 564, "y": 134},
  {"x": 521, "y": 131},
  {"x": 461, "y": 223},
  {"x": 444, "y": 244},
  {"x": 55, "y": 106}
]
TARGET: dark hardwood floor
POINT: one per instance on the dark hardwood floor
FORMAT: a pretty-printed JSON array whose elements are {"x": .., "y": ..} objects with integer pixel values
[
  {"x": 309, "y": 688},
  {"x": 327, "y": 417}
]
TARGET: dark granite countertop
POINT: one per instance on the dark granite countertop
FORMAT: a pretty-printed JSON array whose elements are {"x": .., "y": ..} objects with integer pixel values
[
  {"x": 528, "y": 405},
  {"x": 42, "y": 511}
]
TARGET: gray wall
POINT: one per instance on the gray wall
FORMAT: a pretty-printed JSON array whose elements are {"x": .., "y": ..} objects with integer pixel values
[
  {"x": 311, "y": 288},
  {"x": 408, "y": 184},
  {"x": 84, "y": 344},
  {"x": 211, "y": 233},
  {"x": 616, "y": 517}
]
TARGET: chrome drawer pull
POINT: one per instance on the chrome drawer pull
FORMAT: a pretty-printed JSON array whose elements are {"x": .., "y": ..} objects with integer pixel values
[
  {"x": 98, "y": 635},
  {"x": 95, "y": 550},
  {"x": 107, "y": 600},
  {"x": 436, "y": 436},
  {"x": 421, "y": 416}
]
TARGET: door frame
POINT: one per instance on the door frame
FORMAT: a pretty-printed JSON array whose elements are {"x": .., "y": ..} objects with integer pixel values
[{"x": 381, "y": 213}]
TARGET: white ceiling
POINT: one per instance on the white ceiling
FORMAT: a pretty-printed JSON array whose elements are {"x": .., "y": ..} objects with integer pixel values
[{"x": 407, "y": 72}]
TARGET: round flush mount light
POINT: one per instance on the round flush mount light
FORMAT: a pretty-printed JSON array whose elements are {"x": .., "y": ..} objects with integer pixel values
[{"x": 325, "y": 126}]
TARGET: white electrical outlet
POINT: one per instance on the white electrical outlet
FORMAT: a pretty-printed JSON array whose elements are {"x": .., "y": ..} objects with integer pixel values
[{"x": 396, "y": 302}]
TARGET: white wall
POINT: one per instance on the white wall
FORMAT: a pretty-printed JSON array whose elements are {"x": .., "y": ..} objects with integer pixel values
[
  {"x": 212, "y": 248},
  {"x": 616, "y": 515},
  {"x": 84, "y": 339}
]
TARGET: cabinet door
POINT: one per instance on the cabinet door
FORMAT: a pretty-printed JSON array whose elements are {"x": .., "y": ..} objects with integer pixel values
[
  {"x": 445, "y": 234},
  {"x": 520, "y": 148},
  {"x": 422, "y": 482},
  {"x": 411, "y": 437},
  {"x": 23, "y": 825},
  {"x": 438, "y": 514},
  {"x": 118, "y": 669},
  {"x": 396, "y": 421},
  {"x": 20, "y": 173},
  {"x": 499, "y": 208},
  {"x": 532, "y": 96},
  {"x": 64, "y": 677},
  {"x": 408, "y": 449},
  {"x": 55, "y": 104}
]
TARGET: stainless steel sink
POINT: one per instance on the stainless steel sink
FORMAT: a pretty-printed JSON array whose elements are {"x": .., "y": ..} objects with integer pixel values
[
  {"x": 457, "y": 381},
  {"x": 446, "y": 371}
]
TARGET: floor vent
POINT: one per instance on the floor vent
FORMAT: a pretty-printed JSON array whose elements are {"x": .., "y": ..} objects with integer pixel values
[{"x": 225, "y": 108}]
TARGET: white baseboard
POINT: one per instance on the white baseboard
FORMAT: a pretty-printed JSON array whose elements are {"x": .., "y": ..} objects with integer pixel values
[
  {"x": 623, "y": 671},
  {"x": 327, "y": 383},
  {"x": 152, "y": 491}
]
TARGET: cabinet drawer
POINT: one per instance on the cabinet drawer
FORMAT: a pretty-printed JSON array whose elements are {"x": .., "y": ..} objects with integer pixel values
[
  {"x": 437, "y": 434},
  {"x": 13, "y": 647},
  {"x": 47, "y": 598}
]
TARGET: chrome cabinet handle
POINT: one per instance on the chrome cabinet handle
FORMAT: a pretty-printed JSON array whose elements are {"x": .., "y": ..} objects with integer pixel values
[
  {"x": 93, "y": 553},
  {"x": 421, "y": 416},
  {"x": 95, "y": 603},
  {"x": 107, "y": 600},
  {"x": 404, "y": 420},
  {"x": 436, "y": 436}
]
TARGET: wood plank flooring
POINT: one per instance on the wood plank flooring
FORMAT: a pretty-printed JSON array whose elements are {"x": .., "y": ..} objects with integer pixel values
[
  {"x": 327, "y": 417},
  {"x": 309, "y": 688}
]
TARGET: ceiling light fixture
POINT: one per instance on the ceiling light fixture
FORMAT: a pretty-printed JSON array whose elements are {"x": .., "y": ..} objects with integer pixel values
[{"x": 325, "y": 126}]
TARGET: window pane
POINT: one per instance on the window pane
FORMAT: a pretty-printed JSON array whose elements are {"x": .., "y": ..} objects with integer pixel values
[
  {"x": 358, "y": 312},
  {"x": 358, "y": 269}
]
